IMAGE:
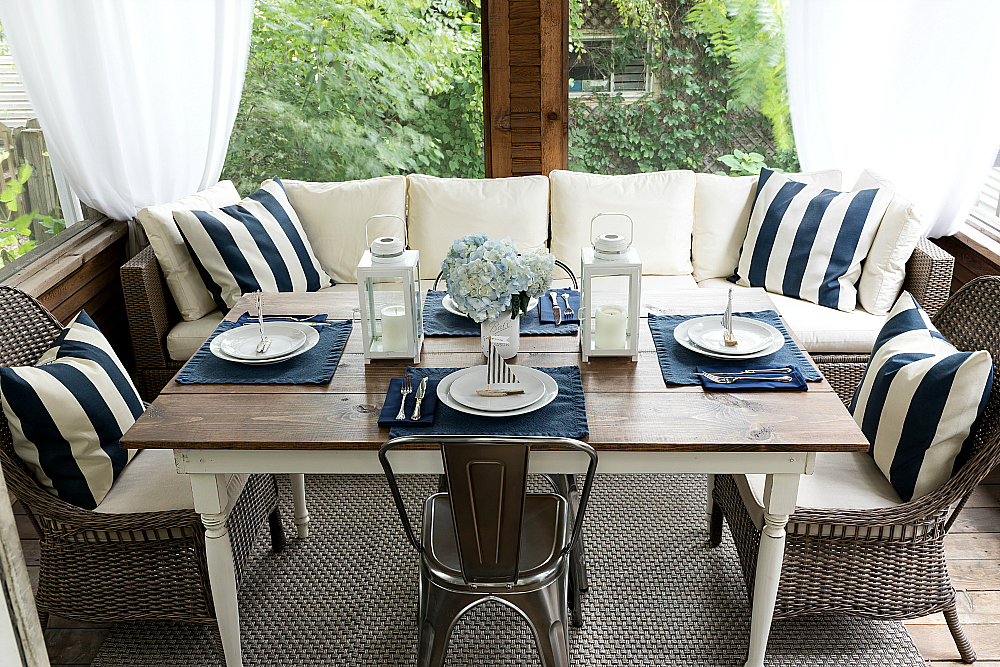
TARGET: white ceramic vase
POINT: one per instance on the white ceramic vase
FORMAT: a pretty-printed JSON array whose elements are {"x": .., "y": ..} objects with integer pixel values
[{"x": 506, "y": 333}]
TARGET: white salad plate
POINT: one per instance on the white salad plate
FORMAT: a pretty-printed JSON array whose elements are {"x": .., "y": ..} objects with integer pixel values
[
  {"x": 241, "y": 342},
  {"x": 464, "y": 387},
  {"x": 753, "y": 336},
  {"x": 452, "y": 307},
  {"x": 310, "y": 338},
  {"x": 551, "y": 391},
  {"x": 681, "y": 336}
]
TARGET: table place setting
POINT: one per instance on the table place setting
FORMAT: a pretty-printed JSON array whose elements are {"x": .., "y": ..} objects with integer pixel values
[
  {"x": 443, "y": 318},
  {"x": 492, "y": 399},
  {"x": 559, "y": 307},
  {"x": 269, "y": 350},
  {"x": 683, "y": 342}
]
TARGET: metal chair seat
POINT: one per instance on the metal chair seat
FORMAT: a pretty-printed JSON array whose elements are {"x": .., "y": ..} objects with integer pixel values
[{"x": 544, "y": 536}]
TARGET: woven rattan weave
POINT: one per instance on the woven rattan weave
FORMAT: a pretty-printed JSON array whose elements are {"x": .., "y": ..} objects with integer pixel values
[
  {"x": 117, "y": 567},
  {"x": 886, "y": 563},
  {"x": 658, "y": 596}
]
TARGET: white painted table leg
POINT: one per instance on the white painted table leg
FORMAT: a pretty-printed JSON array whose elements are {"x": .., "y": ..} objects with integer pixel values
[
  {"x": 780, "y": 493},
  {"x": 210, "y": 499},
  {"x": 709, "y": 503},
  {"x": 298, "y": 481}
]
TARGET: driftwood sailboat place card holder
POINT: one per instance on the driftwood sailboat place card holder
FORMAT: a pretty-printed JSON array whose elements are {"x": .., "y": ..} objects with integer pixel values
[{"x": 498, "y": 373}]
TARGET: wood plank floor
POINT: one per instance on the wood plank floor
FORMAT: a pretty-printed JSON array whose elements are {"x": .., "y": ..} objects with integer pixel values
[{"x": 973, "y": 549}]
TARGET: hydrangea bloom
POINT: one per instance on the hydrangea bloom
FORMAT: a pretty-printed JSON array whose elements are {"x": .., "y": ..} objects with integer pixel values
[{"x": 484, "y": 274}]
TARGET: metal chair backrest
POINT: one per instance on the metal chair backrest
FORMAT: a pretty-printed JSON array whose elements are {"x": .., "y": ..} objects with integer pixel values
[{"x": 487, "y": 478}]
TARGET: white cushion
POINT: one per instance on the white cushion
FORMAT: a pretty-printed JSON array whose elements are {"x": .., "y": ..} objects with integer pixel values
[
  {"x": 841, "y": 480},
  {"x": 151, "y": 483},
  {"x": 444, "y": 209},
  {"x": 661, "y": 206},
  {"x": 885, "y": 267},
  {"x": 722, "y": 207},
  {"x": 185, "y": 284},
  {"x": 808, "y": 242},
  {"x": 333, "y": 216},
  {"x": 818, "y": 328}
]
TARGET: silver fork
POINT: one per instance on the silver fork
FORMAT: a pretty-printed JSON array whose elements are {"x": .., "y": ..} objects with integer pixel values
[
  {"x": 265, "y": 342},
  {"x": 729, "y": 379},
  {"x": 569, "y": 308},
  {"x": 405, "y": 391}
]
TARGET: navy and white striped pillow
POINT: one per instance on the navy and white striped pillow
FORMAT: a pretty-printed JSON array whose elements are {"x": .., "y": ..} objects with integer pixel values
[
  {"x": 918, "y": 400},
  {"x": 257, "y": 244},
  {"x": 808, "y": 242},
  {"x": 68, "y": 412}
]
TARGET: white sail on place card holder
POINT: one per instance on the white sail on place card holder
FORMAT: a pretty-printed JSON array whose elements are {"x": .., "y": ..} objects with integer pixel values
[{"x": 499, "y": 375}]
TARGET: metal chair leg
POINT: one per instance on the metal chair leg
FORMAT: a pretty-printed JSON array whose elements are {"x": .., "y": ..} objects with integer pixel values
[
  {"x": 715, "y": 526},
  {"x": 573, "y": 590},
  {"x": 440, "y": 609},
  {"x": 958, "y": 634},
  {"x": 277, "y": 531},
  {"x": 544, "y": 609}
]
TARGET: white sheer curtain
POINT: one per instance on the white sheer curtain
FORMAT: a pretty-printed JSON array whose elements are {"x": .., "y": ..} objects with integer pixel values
[
  {"x": 907, "y": 87},
  {"x": 137, "y": 98}
]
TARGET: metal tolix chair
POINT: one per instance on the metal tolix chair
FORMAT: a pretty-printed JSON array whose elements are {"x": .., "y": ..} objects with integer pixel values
[{"x": 488, "y": 540}]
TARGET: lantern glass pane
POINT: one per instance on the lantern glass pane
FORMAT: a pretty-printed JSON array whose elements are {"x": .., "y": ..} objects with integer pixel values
[
  {"x": 609, "y": 311},
  {"x": 387, "y": 320}
]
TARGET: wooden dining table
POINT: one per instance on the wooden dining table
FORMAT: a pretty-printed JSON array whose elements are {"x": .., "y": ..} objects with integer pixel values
[{"x": 638, "y": 425}]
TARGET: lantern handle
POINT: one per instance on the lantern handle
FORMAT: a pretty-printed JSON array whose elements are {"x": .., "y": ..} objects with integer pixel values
[
  {"x": 406, "y": 239},
  {"x": 631, "y": 226}
]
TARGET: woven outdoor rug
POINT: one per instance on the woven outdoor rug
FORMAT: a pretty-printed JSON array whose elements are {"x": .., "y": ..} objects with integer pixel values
[{"x": 347, "y": 595}]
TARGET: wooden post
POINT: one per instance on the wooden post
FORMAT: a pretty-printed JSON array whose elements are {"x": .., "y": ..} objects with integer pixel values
[{"x": 41, "y": 187}]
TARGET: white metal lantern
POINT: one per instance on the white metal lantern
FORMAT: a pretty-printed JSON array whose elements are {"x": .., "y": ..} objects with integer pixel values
[
  {"x": 611, "y": 283},
  {"x": 389, "y": 295}
]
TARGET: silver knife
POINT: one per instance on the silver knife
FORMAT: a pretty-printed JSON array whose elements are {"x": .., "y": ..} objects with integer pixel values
[
  {"x": 421, "y": 390},
  {"x": 556, "y": 310}
]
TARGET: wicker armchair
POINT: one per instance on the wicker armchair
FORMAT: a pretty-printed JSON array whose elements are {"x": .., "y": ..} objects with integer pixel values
[
  {"x": 885, "y": 563},
  {"x": 118, "y": 567}
]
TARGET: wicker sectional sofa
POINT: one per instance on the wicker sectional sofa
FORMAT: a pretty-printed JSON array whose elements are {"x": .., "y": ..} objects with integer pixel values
[{"x": 688, "y": 228}]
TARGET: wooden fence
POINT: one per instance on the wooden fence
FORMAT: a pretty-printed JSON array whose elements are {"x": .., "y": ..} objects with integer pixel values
[{"x": 27, "y": 144}]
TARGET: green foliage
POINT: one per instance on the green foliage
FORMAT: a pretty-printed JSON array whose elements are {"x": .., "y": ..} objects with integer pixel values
[
  {"x": 744, "y": 164},
  {"x": 751, "y": 34},
  {"x": 15, "y": 231},
  {"x": 346, "y": 90}
]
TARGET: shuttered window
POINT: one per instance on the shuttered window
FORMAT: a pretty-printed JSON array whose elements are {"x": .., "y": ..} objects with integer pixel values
[{"x": 594, "y": 68}]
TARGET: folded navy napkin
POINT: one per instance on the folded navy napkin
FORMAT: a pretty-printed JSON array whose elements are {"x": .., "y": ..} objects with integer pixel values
[
  {"x": 390, "y": 408},
  {"x": 314, "y": 366},
  {"x": 545, "y": 314},
  {"x": 756, "y": 383},
  {"x": 565, "y": 416},
  {"x": 440, "y": 322},
  {"x": 677, "y": 363}
]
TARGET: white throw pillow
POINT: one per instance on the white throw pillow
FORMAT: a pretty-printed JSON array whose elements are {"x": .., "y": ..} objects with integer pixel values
[
  {"x": 661, "y": 205},
  {"x": 333, "y": 216},
  {"x": 722, "y": 207},
  {"x": 808, "y": 242},
  {"x": 257, "y": 244},
  {"x": 187, "y": 288},
  {"x": 885, "y": 268},
  {"x": 444, "y": 209}
]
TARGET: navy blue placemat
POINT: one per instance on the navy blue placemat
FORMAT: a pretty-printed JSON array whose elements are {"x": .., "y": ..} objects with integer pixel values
[
  {"x": 677, "y": 363},
  {"x": 759, "y": 382},
  {"x": 439, "y": 322},
  {"x": 545, "y": 315},
  {"x": 390, "y": 408},
  {"x": 315, "y": 366},
  {"x": 565, "y": 416}
]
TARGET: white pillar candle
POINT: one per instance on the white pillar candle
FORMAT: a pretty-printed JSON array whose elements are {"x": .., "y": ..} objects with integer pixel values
[
  {"x": 609, "y": 327},
  {"x": 394, "y": 329}
]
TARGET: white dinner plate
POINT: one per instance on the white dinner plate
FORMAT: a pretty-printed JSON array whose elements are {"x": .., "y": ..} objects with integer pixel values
[
  {"x": 464, "y": 387},
  {"x": 551, "y": 391},
  {"x": 241, "y": 342},
  {"x": 311, "y": 338},
  {"x": 681, "y": 336},
  {"x": 753, "y": 336},
  {"x": 452, "y": 307}
]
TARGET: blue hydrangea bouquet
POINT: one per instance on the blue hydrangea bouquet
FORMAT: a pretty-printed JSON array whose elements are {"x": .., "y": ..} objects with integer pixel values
[{"x": 487, "y": 278}]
